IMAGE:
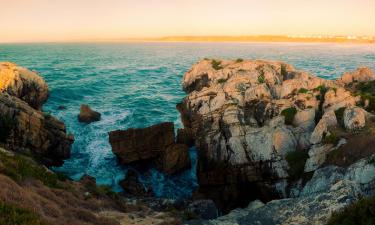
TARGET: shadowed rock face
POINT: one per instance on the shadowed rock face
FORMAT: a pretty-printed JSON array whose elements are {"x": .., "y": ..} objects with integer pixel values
[
  {"x": 247, "y": 117},
  {"x": 154, "y": 144},
  {"x": 23, "y": 127}
]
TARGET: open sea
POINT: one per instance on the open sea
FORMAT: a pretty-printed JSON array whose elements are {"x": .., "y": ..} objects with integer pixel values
[{"x": 139, "y": 84}]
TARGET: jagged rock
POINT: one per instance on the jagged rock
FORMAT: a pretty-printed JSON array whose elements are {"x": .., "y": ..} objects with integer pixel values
[
  {"x": 155, "y": 143},
  {"x": 87, "y": 115},
  {"x": 29, "y": 129},
  {"x": 132, "y": 185},
  {"x": 354, "y": 118},
  {"x": 321, "y": 129},
  {"x": 142, "y": 143},
  {"x": 246, "y": 117},
  {"x": 23, "y": 84},
  {"x": 362, "y": 74},
  {"x": 205, "y": 209},
  {"x": 331, "y": 189},
  {"x": 174, "y": 159}
]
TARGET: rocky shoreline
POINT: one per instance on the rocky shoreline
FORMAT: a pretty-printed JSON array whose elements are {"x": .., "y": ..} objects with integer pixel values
[{"x": 275, "y": 146}]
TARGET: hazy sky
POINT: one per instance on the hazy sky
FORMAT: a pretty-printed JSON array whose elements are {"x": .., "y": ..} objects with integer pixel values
[{"x": 65, "y": 20}]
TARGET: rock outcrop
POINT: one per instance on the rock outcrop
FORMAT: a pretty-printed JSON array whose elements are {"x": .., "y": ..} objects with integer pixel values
[
  {"x": 23, "y": 127},
  {"x": 23, "y": 84},
  {"x": 155, "y": 144},
  {"x": 330, "y": 190},
  {"x": 255, "y": 123},
  {"x": 87, "y": 115}
]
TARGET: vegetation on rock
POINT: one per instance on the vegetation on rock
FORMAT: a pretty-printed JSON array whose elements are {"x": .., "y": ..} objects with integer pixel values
[
  {"x": 216, "y": 64},
  {"x": 13, "y": 215},
  {"x": 340, "y": 116},
  {"x": 239, "y": 60},
  {"x": 303, "y": 90},
  {"x": 289, "y": 114},
  {"x": 6, "y": 125},
  {"x": 19, "y": 168},
  {"x": 361, "y": 212}
]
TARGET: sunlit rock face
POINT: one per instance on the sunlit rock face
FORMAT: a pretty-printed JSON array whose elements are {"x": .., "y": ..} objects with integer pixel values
[
  {"x": 247, "y": 116},
  {"x": 23, "y": 127},
  {"x": 23, "y": 84}
]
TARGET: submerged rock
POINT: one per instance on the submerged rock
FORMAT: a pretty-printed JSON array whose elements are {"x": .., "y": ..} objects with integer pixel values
[
  {"x": 154, "y": 144},
  {"x": 87, "y": 115}
]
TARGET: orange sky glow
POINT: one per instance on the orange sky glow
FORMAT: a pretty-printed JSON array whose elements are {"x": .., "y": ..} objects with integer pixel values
[{"x": 90, "y": 20}]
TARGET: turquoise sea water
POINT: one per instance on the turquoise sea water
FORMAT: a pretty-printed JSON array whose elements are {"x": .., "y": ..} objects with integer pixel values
[{"x": 139, "y": 84}]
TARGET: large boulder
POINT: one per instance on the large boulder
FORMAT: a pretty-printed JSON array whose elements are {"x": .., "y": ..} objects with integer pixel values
[
  {"x": 87, "y": 115},
  {"x": 155, "y": 144},
  {"x": 23, "y": 84},
  {"x": 354, "y": 118}
]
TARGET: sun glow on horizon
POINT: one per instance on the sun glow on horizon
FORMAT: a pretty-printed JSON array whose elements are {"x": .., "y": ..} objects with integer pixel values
[{"x": 70, "y": 20}]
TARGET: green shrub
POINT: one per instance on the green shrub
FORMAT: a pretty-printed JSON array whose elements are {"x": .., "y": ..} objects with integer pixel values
[
  {"x": 367, "y": 87},
  {"x": 6, "y": 126},
  {"x": 330, "y": 139},
  {"x": 289, "y": 114},
  {"x": 359, "y": 213},
  {"x": 296, "y": 161},
  {"x": 221, "y": 81},
  {"x": 13, "y": 215},
  {"x": 216, "y": 65},
  {"x": 261, "y": 78},
  {"x": 303, "y": 90},
  {"x": 239, "y": 60},
  {"x": 19, "y": 168}
]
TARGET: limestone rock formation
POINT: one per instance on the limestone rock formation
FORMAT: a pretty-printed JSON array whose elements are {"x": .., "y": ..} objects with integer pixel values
[
  {"x": 248, "y": 118},
  {"x": 155, "y": 143},
  {"x": 23, "y": 84},
  {"x": 23, "y": 127},
  {"x": 330, "y": 190},
  {"x": 87, "y": 115}
]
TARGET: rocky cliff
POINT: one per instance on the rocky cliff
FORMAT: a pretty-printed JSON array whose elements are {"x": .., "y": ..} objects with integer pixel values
[
  {"x": 24, "y": 128},
  {"x": 262, "y": 127}
]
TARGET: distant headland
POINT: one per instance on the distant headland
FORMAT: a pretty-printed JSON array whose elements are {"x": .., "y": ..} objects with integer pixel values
[{"x": 260, "y": 38}]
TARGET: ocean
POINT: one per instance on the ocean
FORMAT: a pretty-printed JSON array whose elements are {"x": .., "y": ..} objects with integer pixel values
[{"x": 139, "y": 84}]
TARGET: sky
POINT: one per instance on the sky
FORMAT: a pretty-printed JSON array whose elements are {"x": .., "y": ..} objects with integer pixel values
[{"x": 85, "y": 20}]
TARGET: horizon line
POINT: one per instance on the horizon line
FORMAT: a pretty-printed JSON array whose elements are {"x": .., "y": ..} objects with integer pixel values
[{"x": 360, "y": 39}]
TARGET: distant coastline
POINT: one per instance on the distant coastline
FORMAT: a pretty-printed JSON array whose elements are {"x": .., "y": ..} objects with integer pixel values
[
  {"x": 259, "y": 38},
  {"x": 217, "y": 39}
]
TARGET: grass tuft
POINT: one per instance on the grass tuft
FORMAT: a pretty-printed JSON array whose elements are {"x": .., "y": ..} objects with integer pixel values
[
  {"x": 216, "y": 65},
  {"x": 13, "y": 215},
  {"x": 361, "y": 212}
]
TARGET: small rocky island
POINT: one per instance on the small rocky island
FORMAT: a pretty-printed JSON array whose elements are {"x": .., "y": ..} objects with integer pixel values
[{"x": 275, "y": 146}]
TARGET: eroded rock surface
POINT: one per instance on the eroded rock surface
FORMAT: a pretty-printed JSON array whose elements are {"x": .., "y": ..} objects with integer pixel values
[
  {"x": 23, "y": 84},
  {"x": 155, "y": 144},
  {"x": 23, "y": 127},
  {"x": 247, "y": 117}
]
